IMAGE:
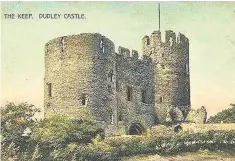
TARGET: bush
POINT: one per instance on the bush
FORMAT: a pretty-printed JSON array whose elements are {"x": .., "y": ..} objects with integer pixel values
[
  {"x": 62, "y": 138},
  {"x": 181, "y": 142},
  {"x": 225, "y": 116},
  {"x": 15, "y": 119},
  {"x": 211, "y": 140},
  {"x": 56, "y": 135}
]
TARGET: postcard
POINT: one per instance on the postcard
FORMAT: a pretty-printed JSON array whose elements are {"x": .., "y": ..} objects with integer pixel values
[{"x": 89, "y": 80}]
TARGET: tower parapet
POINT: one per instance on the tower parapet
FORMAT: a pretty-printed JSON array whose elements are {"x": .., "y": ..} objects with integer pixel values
[
  {"x": 171, "y": 65},
  {"x": 83, "y": 72},
  {"x": 155, "y": 38},
  {"x": 124, "y": 51},
  {"x": 135, "y": 54},
  {"x": 76, "y": 72}
]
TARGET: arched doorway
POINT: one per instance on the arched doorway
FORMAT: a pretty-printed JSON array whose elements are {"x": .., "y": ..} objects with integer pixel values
[
  {"x": 135, "y": 129},
  {"x": 178, "y": 128}
]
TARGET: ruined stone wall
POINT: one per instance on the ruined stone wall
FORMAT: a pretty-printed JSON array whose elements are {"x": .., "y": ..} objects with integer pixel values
[
  {"x": 198, "y": 116},
  {"x": 171, "y": 65},
  {"x": 88, "y": 79},
  {"x": 77, "y": 67},
  {"x": 136, "y": 74}
]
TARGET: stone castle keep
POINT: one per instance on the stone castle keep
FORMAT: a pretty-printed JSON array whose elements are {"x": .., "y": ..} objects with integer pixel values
[{"x": 121, "y": 91}]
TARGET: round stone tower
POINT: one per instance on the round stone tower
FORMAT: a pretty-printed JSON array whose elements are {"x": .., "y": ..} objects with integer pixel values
[
  {"x": 171, "y": 64},
  {"x": 77, "y": 77}
]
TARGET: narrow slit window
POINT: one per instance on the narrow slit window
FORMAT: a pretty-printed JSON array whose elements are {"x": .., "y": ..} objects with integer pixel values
[
  {"x": 110, "y": 89},
  {"x": 120, "y": 117},
  {"x": 111, "y": 118},
  {"x": 102, "y": 45},
  {"x": 117, "y": 86},
  {"x": 143, "y": 93},
  {"x": 186, "y": 68},
  {"x": 84, "y": 99},
  {"x": 49, "y": 87},
  {"x": 110, "y": 76},
  {"x": 129, "y": 93},
  {"x": 161, "y": 99},
  {"x": 171, "y": 41},
  {"x": 147, "y": 42}
]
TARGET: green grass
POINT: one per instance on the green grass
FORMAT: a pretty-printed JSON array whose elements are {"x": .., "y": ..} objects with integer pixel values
[{"x": 193, "y": 156}]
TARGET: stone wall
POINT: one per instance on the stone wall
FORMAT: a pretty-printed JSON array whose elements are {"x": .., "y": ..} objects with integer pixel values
[
  {"x": 137, "y": 75},
  {"x": 85, "y": 78},
  {"x": 77, "y": 67},
  {"x": 171, "y": 68},
  {"x": 198, "y": 116}
]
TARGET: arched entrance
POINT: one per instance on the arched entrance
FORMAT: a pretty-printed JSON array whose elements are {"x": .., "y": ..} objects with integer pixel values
[
  {"x": 178, "y": 128},
  {"x": 135, "y": 129}
]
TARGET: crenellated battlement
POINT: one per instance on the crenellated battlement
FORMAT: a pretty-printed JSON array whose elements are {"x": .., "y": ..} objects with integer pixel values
[
  {"x": 60, "y": 43},
  {"x": 124, "y": 53},
  {"x": 170, "y": 38},
  {"x": 182, "y": 39},
  {"x": 85, "y": 71},
  {"x": 135, "y": 54}
]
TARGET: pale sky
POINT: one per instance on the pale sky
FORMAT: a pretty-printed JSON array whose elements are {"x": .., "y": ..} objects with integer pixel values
[{"x": 210, "y": 27}]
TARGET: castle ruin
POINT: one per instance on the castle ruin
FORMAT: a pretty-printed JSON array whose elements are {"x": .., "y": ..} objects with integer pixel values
[{"x": 120, "y": 90}]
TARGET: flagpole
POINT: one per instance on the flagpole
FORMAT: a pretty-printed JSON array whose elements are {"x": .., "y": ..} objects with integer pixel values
[{"x": 159, "y": 17}]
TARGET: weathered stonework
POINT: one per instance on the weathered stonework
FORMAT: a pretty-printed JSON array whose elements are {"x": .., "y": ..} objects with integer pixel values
[
  {"x": 171, "y": 68},
  {"x": 86, "y": 78},
  {"x": 198, "y": 116}
]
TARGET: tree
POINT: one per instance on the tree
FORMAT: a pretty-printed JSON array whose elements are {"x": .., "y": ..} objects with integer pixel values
[
  {"x": 225, "y": 116},
  {"x": 60, "y": 131},
  {"x": 46, "y": 137},
  {"x": 15, "y": 120},
  {"x": 56, "y": 133}
]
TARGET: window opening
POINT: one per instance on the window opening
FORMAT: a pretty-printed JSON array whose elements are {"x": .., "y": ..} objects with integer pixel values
[
  {"x": 84, "y": 99},
  {"x": 148, "y": 42},
  {"x": 143, "y": 93},
  {"x": 111, "y": 118},
  {"x": 102, "y": 45},
  {"x": 110, "y": 75},
  {"x": 117, "y": 86},
  {"x": 120, "y": 117},
  {"x": 129, "y": 93},
  {"x": 187, "y": 69},
  {"x": 161, "y": 99},
  {"x": 110, "y": 89},
  {"x": 171, "y": 41},
  {"x": 49, "y": 86}
]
